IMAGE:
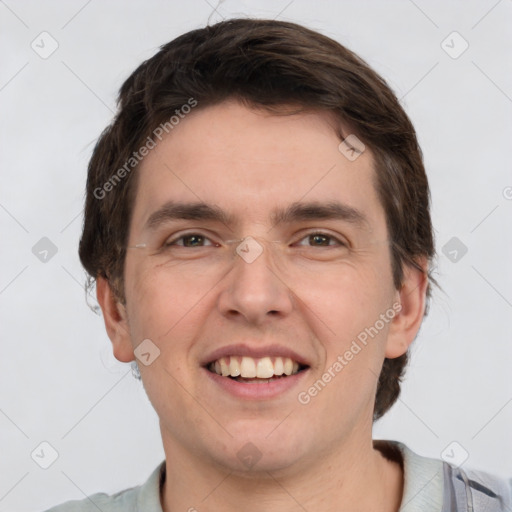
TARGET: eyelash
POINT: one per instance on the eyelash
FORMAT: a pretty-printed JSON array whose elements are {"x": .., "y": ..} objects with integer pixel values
[{"x": 172, "y": 242}]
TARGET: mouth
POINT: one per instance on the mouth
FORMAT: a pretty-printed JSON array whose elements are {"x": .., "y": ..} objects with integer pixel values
[{"x": 249, "y": 370}]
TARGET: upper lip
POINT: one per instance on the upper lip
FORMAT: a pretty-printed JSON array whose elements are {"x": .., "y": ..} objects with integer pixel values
[{"x": 242, "y": 350}]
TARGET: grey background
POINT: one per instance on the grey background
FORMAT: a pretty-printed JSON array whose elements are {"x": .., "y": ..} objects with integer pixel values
[{"x": 59, "y": 381}]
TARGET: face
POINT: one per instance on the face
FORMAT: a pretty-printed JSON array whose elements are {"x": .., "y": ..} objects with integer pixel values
[{"x": 310, "y": 292}]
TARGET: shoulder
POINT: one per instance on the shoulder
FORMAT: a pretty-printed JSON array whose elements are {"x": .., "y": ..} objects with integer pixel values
[
  {"x": 125, "y": 500},
  {"x": 128, "y": 500},
  {"x": 478, "y": 490},
  {"x": 432, "y": 484}
]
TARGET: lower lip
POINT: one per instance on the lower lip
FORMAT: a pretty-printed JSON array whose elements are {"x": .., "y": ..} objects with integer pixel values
[{"x": 256, "y": 390}]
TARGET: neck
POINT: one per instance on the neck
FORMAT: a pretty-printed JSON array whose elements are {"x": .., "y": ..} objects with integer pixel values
[{"x": 358, "y": 478}]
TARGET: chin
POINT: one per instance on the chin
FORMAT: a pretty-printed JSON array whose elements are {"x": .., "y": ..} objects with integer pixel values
[{"x": 260, "y": 449}]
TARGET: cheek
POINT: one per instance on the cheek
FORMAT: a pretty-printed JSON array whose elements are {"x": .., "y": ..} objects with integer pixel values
[
  {"x": 352, "y": 294},
  {"x": 164, "y": 304},
  {"x": 151, "y": 302},
  {"x": 344, "y": 310},
  {"x": 160, "y": 310}
]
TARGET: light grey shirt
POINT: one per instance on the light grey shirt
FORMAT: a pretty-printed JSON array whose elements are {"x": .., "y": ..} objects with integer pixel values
[{"x": 430, "y": 485}]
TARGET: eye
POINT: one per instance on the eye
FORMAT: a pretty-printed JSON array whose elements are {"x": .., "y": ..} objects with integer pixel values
[
  {"x": 319, "y": 239},
  {"x": 190, "y": 240}
]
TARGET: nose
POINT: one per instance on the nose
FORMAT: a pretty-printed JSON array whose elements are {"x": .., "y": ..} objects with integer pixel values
[{"x": 254, "y": 291}]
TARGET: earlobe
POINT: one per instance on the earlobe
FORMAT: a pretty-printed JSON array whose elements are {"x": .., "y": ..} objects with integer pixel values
[
  {"x": 407, "y": 321},
  {"x": 116, "y": 324}
]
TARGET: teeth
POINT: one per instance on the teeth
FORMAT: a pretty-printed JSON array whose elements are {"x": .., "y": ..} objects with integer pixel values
[
  {"x": 264, "y": 368},
  {"x": 234, "y": 367},
  {"x": 288, "y": 366},
  {"x": 224, "y": 368},
  {"x": 278, "y": 366},
  {"x": 250, "y": 368}
]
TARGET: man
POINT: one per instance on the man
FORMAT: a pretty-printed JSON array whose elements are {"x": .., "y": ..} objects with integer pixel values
[{"x": 257, "y": 225}]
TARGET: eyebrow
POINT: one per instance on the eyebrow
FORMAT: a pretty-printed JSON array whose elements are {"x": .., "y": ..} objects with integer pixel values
[
  {"x": 295, "y": 212},
  {"x": 187, "y": 211},
  {"x": 332, "y": 210}
]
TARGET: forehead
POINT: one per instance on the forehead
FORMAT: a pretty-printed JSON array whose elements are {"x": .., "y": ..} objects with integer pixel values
[{"x": 248, "y": 162}]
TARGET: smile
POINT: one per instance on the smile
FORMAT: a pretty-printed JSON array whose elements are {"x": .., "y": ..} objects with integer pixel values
[{"x": 248, "y": 369}]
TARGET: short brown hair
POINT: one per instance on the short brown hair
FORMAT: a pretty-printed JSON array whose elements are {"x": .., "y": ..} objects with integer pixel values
[{"x": 265, "y": 64}]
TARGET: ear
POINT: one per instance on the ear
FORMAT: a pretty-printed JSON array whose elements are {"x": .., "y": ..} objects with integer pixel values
[
  {"x": 412, "y": 299},
  {"x": 116, "y": 323}
]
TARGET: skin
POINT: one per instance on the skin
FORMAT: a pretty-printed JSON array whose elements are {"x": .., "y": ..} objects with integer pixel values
[{"x": 307, "y": 296}]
